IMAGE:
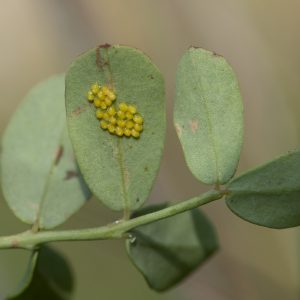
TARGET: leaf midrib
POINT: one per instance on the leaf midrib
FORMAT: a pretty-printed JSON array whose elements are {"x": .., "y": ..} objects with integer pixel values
[
  {"x": 122, "y": 171},
  {"x": 120, "y": 156},
  {"x": 209, "y": 125},
  {"x": 53, "y": 166}
]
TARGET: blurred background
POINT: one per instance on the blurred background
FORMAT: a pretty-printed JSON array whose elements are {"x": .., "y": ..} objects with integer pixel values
[{"x": 260, "y": 39}]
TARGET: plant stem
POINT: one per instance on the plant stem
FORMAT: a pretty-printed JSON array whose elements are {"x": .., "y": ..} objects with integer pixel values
[{"x": 29, "y": 239}]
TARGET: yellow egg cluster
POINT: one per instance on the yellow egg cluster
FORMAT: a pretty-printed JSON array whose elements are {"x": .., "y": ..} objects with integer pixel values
[
  {"x": 124, "y": 121},
  {"x": 102, "y": 97}
]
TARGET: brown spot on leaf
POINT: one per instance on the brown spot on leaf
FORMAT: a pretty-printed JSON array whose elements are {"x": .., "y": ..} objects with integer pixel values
[
  {"x": 14, "y": 243},
  {"x": 194, "y": 125},
  {"x": 178, "y": 129},
  {"x": 100, "y": 62},
  {"x": 70, "y": 174},
  {"x": 106, "y": 45},
  {"x": 59, "y": 154},
  {"x": 78, "y": 111}
]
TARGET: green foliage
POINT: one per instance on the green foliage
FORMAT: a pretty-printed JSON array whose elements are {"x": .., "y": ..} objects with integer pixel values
[
  {"x": 208, "y": 115},
  {"x": 269, "y": 195},
  {"x": 48, "y": 277},
  {"x": 166, "y": 251},
  {"x": 119, "y": 171},
  {"x": 40, "y": 179},
  {"x": 43, "y": 186}
]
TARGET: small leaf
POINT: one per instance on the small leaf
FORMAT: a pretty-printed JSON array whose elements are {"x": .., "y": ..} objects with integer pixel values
[
  {"x": 167, "y": 251},
  {"x": 40, "y": 178},
  {"x": 48, "y": 277},
  {"x": 270, "y": 194},
  {"x": 120, "y": 171},
  {"x": 208, "y": 115}
]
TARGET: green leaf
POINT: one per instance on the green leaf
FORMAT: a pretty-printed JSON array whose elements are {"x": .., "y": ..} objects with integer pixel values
[
  {"x": 208, "y": 115},
  {"x": 166, "y": 251},
  {"x": 40, "y": 178},
  {"x": 120, "y": 171},
  {"x": 270, "y": 194},
  {"x": 48, "y": 277}
]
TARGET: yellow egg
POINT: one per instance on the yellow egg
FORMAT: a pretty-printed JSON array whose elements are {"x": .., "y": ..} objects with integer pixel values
[
  {"x": 97, "y": 102},
  {"x": 95, "y": 88},
  {"x": 99, "y": 114},
  {"x": 121, "y": 114},
  {"x": 121, "y": 123},
  {"x": 129, "y": 116},
  {"x": 123, "y": 107},
  {"x": 138, "y": 127},
  {"x": 108, "y": 101},
  {"x": 119, "y": 131},
  {"x": 132, "y": 109},
  {"x": 90, "y": 96},
  {"x": 112, "y": 96},
  {"x": 129, "y": 124},
  {"x": 138, "y": 119},
  {"x": 103, "y": 124},
  {"x": 127, "y": 132},
  {"x": 111, "y": 128},
  {"x": 103, "y": 105},
  {"x": 101, "y": 95},
  {"x": 111, "y": 111},
  {"x": 113, "y": 120},
  {"x": 135, "y": 133},
  {"x": 106, "y": 116}
]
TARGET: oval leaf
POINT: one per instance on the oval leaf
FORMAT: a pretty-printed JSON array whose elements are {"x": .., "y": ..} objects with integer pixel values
[
  {"x": 119, "y": 171},
  {"x": 208, "y": 115},
  {"x": 270, "y": 194},
  {"x": 48, "y": 277},
  {"x": 167, "y": 251},
  {"x": 40, "y": 179}
]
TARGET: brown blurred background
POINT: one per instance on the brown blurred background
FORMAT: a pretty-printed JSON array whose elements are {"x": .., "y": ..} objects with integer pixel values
[{"x": 259, "y": 38}]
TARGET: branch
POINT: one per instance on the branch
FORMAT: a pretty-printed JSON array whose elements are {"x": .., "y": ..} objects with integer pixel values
[{"x": 30, "y": 240}]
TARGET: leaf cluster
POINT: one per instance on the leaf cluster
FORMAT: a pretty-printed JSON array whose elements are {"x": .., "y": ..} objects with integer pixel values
[{"x": 55, "y": 157}]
